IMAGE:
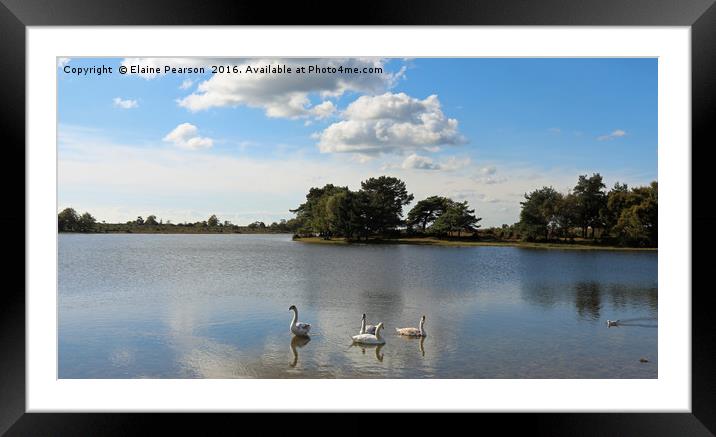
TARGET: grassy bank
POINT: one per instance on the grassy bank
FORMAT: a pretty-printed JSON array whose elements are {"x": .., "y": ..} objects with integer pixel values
[{"x": 429, "y": 241}]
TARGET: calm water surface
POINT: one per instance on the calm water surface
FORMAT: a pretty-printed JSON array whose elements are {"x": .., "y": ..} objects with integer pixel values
[{"x": 216, "y": 306}]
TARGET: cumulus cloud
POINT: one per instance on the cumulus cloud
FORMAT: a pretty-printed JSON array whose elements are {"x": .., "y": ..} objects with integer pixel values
[
  {"x": 186, "y": 84},
  {"x": 124, "y": 103},
  {"x": 287, "y": 95},
  {"x": 390, "y": 123},
  {"x": 186, "y": 136},
  {"x": 61, "y": 62},
  {"x": 615, "y": 134},
  {"x": 420, "y": 163},
  {"x": 324, "y": 110}
]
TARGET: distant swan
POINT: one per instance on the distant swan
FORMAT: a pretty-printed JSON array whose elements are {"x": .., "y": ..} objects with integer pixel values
[
  {"x": 370, "y": 338},
  {"x": 611, "y": 323},
  {"x": 366, "y": 329},
  {"x": 414, "y": 332},
  {"x": 298, "y": 328}
]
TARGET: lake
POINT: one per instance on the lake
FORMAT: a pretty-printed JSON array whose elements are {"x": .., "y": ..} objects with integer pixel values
[{"x": 216, "y": 306}]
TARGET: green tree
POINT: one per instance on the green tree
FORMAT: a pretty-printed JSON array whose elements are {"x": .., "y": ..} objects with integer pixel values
[
  {"x": 256, "y": 225},
  {"x": 347, "y": 213},
  {"x": 213, "y": 221},
  {"x": 151, "y": 220},
  {"x": 458, "y": 217},
  {"x": 139, "y": 221},
  {"x": 618, "y": 198},
  {"x": 313, "y": 213},
  {"x": 293, "y": 225},
  {"x": 638, "y": 221},
  {"x": 591, "y": 200},
  {"x": 386, "y": 196},
  {"x": 566, "y": 214},
  {"x": 539, "y": 214},
  {"x": 426, "y": 211},
  {"x": 67, "y": 220},
  {"x": 86, "y": 223}
]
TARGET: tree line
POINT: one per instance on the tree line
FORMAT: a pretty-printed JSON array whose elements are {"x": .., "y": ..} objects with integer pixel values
[
  {"x": 622, "y": 215},
  {"x": 68, "y": 220},
  {"x": 376, "y": 210}
]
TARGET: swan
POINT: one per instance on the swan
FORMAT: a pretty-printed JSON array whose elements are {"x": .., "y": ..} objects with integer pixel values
[
  {"x": 298, "y": 328},
  {"x": 370, "y": 338},
  {"x": 413, "y": 332},
  {"x": 366, "y": 329},
  {"x": 611, "y": 323}
]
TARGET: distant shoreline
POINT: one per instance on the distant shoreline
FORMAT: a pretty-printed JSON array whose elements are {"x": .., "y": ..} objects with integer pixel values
[
  {"x": 428, "y": 241},
  {"x": 178, "y": 230}
]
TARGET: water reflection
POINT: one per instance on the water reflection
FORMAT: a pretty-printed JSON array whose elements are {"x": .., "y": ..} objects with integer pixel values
[
  {"x": 419, "y": 340},
  {"x": 297, "y": 342},
  {"x": 376, "y": 347},
  {"x": 588, "y": 300},
  {"x": 213, "y": 306}
]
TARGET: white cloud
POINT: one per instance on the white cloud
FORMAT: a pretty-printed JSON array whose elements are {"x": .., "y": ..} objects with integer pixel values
[
  {"x": 420, "y": 163},
  {"x": 323, "y": 110},
  {"x": 286, "y": 95},
  {"x": 555, "y": 130},
  {"x": 390, "y": 123},
  {"x": 186, "y": 136},
  {"x": 125, "y": 104},
  {"x": 61, "y": 62},
  {"x": 615, "y": 134},
  {"x": 186, "y": 84}
]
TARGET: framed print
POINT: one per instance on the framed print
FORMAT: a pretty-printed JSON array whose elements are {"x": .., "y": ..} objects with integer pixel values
[{"x": 394, "y": 215}]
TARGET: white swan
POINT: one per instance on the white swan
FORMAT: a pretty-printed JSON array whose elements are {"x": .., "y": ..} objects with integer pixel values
[
  {"x": 611, "y": 323},
  {"x": 366, "y": 329},
  {"x": 298, "y": 328},
  {"x": 414, "y": 332},
  {"x": 370, "y": 338}
]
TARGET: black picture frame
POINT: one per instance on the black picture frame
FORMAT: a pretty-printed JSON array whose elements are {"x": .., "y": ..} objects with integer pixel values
[{"x": 16, "y": 15}]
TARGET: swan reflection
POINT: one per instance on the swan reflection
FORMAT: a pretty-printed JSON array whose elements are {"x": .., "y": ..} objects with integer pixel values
[
  {"x": 376, "y": 347},
  {"x": 421, "y": 342},
  {"x": 297, "y": 342}
]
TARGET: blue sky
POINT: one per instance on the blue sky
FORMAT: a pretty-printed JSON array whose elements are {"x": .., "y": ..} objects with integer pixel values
[{"x": 249, "y": 146}]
